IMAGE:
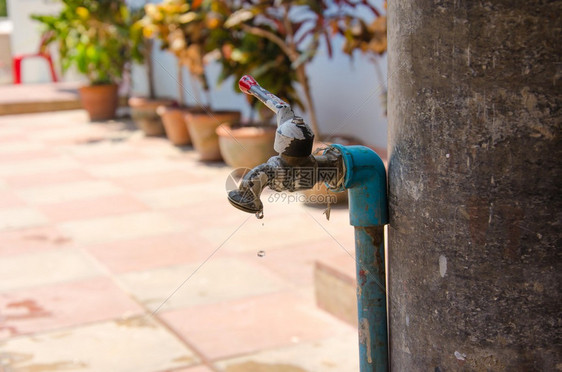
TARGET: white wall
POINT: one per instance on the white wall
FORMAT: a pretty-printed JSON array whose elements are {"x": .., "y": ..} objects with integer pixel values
[{"x": 347, "y": 96}]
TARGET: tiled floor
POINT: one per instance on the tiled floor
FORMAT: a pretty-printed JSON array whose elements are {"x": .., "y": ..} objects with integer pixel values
[{"x": 120, "y": 253}]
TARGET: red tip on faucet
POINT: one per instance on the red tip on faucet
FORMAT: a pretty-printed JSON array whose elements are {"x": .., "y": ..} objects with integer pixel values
[{"x": 246, "y": 82}]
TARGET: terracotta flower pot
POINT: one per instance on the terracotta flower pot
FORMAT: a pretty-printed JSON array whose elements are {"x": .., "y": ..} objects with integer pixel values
[
  {"x": 246, "y": 146},
  {"x": 202, "y": 127},
  {"x": 100, "y": 101},
  {"x": 143, "y": 112},
  {"x": 173, "y": 119}
]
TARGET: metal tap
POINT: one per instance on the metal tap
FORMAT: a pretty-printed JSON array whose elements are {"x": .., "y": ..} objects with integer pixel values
[
  {"x": 359, "y": 170},
  {"x": 295, "y": 168}
]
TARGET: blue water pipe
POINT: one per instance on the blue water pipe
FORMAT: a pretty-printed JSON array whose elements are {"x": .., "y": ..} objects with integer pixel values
[{"x": 365, "y": 180}]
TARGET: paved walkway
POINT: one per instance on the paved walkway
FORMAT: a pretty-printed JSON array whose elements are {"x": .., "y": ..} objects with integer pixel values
[{"x": 120, "y": 253}]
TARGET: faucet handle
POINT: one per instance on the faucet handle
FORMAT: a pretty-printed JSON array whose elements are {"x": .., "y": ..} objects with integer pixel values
[
  {"x": 293, "y": 137},
  {"x": 246, "y": 82},
  {"x": 282, "y": 109}
]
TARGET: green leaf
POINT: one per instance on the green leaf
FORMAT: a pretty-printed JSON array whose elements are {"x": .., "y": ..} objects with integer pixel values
[{"x": 81, "y": 59}]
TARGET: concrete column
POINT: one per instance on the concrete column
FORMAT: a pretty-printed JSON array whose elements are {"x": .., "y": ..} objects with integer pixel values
[{"x": 475, "y": 185}]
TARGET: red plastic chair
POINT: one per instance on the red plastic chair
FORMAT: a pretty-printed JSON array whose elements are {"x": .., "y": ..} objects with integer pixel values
[{"x": 41, "y": 53}]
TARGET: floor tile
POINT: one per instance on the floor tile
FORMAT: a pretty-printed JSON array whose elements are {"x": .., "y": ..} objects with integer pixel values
[
  {"x": 101, "y": 150},
  {"x": 200, "y": 368},
  {"x": 145, "y": 182},
  {"x": 56, "y": 306},
  {"x": 109, "y": 155},
  {"x": 257, "y": 323},
  {"x": 296, "y": 263},
  {"x": 45, "y": 267},
  {"x": 335, "y": 354},
  {"x": 20, "y": 147},
  {"x": 137, "y": 344},
  {"x": 121, "y": 227},
  {"x": 152, "y": 252},
  {"x": 20, "y": 217},
  {"x": 33, "y": 239},
  {"x": 9, "y": 199},
  {"x": 196, "y": 216},
  {"x": 14, "y": 156},
  {"x": 217, "y": 280},
  {"x": 9, "y": 132},
  {"x": 92, "y": 208},
  {"x": 67, "y": 134},
  {"x": 180, "y": 196},
  {"x": 44, "y": 179},
  {"x": 35, "y": 166},
  {"x": 297, "y": 230},
  {"x": 64, "y": 192},
  {"x": 8, "y": 137},
  {"x": 132, "y": 168}
]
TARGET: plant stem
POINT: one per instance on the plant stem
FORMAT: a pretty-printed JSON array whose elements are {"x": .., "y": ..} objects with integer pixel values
[
  {"x": 293, "y": 54},
  {"x": 208, "y": 95},
  {"x": 196, "y": 95},
  {"x": 301, "y": 72},
  {"x": 303, "y": 81},
  {"x": 272, "y": 37},
  {"x": 181, "y": 97},
  {"x": 149, "y": 68}
]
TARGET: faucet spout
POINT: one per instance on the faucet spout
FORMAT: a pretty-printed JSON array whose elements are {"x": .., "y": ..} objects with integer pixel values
[
  {"x": 247, "y": 196},
  {"x": 282, "y": 173}
]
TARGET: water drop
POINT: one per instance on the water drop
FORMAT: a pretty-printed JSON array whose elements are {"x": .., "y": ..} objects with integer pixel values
[
  {"x": 261, "y": 253},
  {"x": 259, "y": 215}
]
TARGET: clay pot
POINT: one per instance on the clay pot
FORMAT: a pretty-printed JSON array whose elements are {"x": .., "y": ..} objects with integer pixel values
[
  {"x": 320, "y": 191},
  {"x": 246, "y": 146},
  {"x": 173, "y": 119},
  {"x": 100, "y": 101},
  {"x": 143, "y": 112},
  {"x": 202, "y": 127}
]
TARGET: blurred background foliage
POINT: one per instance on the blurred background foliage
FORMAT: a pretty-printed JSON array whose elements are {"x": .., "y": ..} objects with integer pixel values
[
  {"x": 93, "y": 36},
  {"x": 3, "y": 9}
]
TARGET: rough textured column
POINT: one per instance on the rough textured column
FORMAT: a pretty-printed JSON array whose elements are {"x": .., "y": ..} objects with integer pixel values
[{"x": 475, "y": 185}]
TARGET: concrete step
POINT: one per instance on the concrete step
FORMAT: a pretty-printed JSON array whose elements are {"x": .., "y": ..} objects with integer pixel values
[
  {"x": 33, "y": 98},
  {"x": 335, "y": 286}
]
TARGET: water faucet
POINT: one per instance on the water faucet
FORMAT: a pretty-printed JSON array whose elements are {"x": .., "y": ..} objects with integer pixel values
[
  {"x": 357, "y": 169},
  {"x": 295, "y": 168}
]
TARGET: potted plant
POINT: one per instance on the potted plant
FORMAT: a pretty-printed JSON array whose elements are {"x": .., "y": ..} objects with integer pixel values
[
  {"x": 144, "y": 109},
  {"x": 297, "y": 36},
  {"x": 183, "y": 27},
  {"x": 93, "y": 36},
  {"x": 245, "y": 145}
]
